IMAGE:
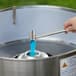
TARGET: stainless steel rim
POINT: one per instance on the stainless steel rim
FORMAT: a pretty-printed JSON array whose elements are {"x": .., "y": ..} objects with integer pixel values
[{"x": 38, "y": 6}]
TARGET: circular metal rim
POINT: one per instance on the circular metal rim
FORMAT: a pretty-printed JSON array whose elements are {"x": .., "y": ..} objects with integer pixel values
[
  {"x": 36, "y": 6},
  {"x": 40, "y": 39},
  {"x": 39, "y": 6}
]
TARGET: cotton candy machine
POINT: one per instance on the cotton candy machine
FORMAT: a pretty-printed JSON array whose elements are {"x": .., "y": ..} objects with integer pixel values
[{"x": 56, "y": 55}]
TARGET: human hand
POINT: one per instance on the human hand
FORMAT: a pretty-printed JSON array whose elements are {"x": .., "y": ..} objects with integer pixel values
[{"x": 70, "y": 25}]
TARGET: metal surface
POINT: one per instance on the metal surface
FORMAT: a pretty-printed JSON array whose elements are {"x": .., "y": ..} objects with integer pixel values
[
  {"x": 54, "y": 33},
  {"x": 10, "y": 66},
  {"x": 32, "y": 36},
  {"x": 52, "y": 47},
  {"x": 43, "y": 19},
  {"x": 13, "y": 42},
  {"x": 14, "y": 14},
  {"x": 26, "y": 55}
]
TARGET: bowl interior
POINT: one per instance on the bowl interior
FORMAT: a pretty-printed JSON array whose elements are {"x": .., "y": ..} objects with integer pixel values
[{"x": 14, "y": 48}]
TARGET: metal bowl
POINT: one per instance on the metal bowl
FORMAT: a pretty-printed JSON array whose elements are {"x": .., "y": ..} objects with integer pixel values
[
  {"x": 11, "y": 66},
  {"x": 13, "y": 41}
]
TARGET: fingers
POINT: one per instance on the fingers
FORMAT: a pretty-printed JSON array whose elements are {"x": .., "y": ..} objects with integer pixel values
[
  {"x": 69, "y": 29},
  {"x": 68, "y": 26}
]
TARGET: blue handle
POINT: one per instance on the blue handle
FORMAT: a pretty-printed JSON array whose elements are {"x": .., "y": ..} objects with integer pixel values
[{"x": 32, "y": 48}]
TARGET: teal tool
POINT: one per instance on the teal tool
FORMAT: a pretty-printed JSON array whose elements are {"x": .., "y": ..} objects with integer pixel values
[
  {"x": 32, "y": 45},
  {"x": 32, "y": 48}
]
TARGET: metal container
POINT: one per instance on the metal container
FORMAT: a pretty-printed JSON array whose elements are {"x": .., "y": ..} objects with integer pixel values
[{"x": 62, "y": 53}]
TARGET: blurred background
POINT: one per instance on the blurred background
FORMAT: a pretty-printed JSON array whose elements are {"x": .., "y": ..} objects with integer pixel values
[{"x": 65, "y": 3}]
